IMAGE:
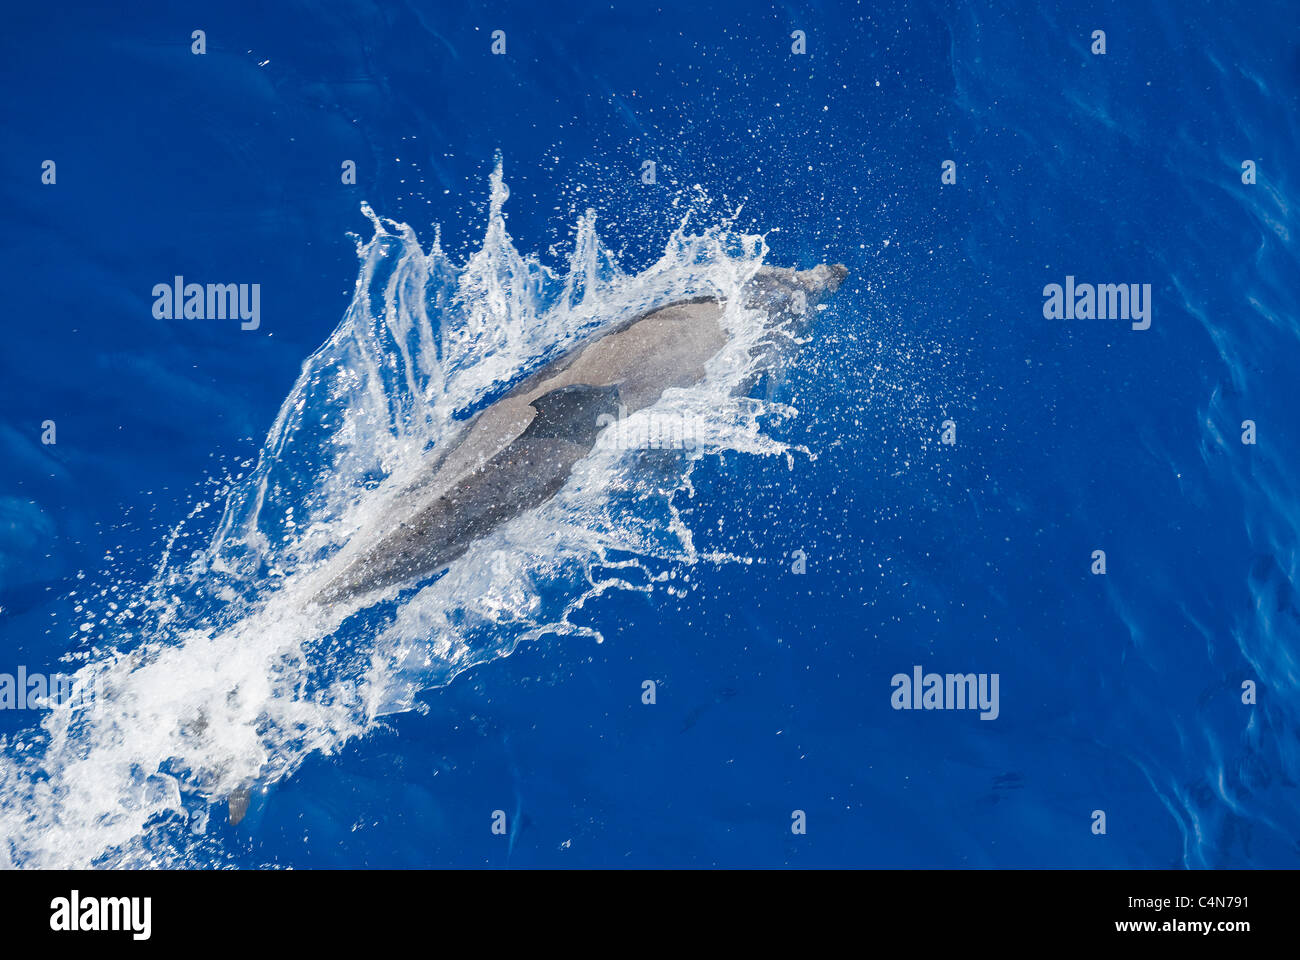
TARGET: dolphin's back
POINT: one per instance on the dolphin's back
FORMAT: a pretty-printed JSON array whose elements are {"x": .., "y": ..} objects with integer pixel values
[
  {"x": 526, "y": 473},
  {"x": 518, "y": 452}
]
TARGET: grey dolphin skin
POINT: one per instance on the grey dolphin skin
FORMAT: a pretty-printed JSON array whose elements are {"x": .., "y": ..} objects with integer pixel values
[{"x": 518, "y": 452}]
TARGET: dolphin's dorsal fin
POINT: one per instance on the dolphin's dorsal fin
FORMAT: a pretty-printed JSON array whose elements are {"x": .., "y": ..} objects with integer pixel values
[
  {"x": 573, "y": 413},
  {"x": 239, "y": 805}
]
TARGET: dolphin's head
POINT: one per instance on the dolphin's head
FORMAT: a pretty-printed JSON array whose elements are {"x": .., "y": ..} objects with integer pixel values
[
  {"x": 786, "y": 294},
  {"x": 788, "y": 299}
]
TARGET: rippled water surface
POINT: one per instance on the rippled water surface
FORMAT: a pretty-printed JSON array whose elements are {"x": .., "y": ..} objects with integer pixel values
[{"x": 164, "y": 549}]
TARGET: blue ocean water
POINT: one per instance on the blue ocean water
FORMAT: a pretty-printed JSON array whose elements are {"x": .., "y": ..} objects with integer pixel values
[{"x": 1120, "y": 693}]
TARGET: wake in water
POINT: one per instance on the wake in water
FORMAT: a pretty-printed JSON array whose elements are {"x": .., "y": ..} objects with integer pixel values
[{"x": 231, "y": 677}]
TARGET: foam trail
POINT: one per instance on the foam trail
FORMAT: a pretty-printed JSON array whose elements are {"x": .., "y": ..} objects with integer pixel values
[{"x": 231, "y": 678}]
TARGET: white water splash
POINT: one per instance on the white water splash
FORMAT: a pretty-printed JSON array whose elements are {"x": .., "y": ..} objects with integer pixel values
[{"x": 237, "y": 678}]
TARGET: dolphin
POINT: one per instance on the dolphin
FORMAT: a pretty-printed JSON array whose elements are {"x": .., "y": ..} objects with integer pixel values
[{"x": 519, "y": 451}]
